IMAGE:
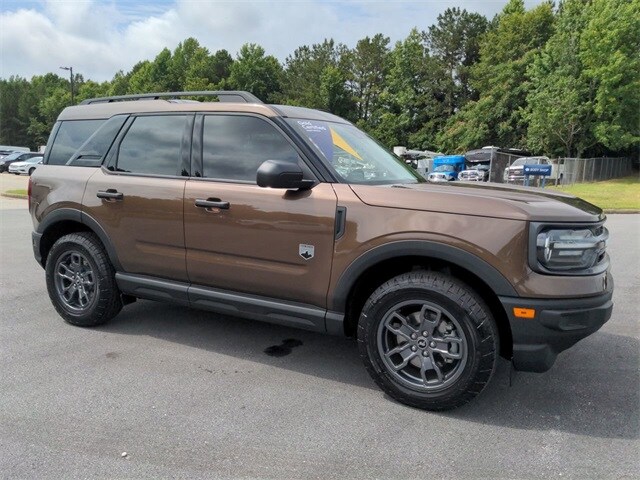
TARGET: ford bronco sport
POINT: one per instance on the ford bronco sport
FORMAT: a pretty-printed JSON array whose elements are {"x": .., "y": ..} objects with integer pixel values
[{"x": 294, "y": 216}]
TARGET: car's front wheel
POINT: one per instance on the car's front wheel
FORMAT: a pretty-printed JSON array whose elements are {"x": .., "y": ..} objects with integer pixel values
[
  {"x": 428, "y": 340},
  {"x": 81, "y": 280}
]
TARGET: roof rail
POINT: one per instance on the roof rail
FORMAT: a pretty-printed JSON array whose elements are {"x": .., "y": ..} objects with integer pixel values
[{"x": 234, "y": 96}]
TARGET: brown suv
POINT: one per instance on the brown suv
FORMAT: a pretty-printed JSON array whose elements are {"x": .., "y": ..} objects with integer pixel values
[{"x": 295, "y": 217}]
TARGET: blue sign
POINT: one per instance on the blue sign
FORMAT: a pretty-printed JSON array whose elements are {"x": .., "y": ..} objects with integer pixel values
[{"x": 542, "y": 170}]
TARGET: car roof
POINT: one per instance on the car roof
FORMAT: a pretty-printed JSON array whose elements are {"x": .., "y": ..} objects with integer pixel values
[{"x": 107, "y": 107}]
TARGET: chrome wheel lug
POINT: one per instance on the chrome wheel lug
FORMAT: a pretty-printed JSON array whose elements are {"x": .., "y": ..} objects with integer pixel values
[
  {"x": 432, "y": 344},
  {"x": 425, "y": 334},
  {"x": 414, "y": 348},
  {"x": 425, "y": 353},
  {"x": 414, "y": 336}
]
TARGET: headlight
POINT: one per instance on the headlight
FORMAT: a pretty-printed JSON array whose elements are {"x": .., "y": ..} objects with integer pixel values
[{"x": 574, "y": 250}]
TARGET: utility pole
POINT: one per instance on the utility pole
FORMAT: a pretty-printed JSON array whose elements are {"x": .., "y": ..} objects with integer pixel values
[{"x": 71, "y": 79}]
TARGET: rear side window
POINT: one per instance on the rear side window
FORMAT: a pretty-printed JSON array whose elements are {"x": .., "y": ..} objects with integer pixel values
[
  {"x": 234, "y": 146},
  {"x": 71, "y": 134},
  {"x": 90, "y": 154},
  {"x": 152, "y": 145}
]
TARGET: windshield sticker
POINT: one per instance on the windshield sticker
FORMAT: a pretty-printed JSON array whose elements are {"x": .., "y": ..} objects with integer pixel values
[
  {"x": 340, "y": 142},
  {"x": 311, "y": 126},
  {"x": 319, "y": 133}
]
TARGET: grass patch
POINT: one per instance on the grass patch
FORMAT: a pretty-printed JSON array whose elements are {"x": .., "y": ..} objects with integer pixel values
[
  {"x": 617, "y": 194},
  {"x": 17, "y": 191}
]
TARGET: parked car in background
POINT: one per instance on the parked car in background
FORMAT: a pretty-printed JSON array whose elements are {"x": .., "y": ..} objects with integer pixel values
[
  {"x": 16, "y": 157},
  {"x": 10, "y": 149},
  {"x": 446, "y": 168},
  {"x": 26, "y": 167},
  {"x": 475, "y": 173},
  {"x": 515, "y": 172}
]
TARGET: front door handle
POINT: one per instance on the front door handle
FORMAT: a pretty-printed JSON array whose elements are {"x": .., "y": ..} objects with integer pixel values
[
  {"x": 212, "y": 203},
  {"x": 110, "y": 194}
]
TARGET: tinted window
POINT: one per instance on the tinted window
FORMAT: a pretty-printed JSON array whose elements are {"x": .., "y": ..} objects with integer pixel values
[
  {"x": 234, "y": 146},
  {"x": 152, "y": 145},
  {"x": 90, "y": 154},
  {"x": 70, "y": 136}
]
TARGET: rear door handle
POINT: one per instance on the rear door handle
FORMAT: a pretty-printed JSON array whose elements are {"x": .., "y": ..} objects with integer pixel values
[
  {"x": 212, "y": 203},
  {"x": 110, "y": 194}
]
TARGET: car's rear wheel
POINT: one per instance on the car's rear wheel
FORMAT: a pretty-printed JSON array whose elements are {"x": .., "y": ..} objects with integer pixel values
[
  {"x": 81, "y": 280},
  {"x": 428, "y": 340}
]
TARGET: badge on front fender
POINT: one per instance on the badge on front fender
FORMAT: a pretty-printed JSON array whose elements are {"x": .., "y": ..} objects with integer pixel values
[{"x": 306, "y": 251}]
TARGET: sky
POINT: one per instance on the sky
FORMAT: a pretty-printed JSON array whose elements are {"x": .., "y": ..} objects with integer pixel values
[{"x": 99, "y": 37}]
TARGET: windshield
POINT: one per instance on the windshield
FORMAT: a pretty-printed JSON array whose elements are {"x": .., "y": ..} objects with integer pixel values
[
  {"x": 354, "y": 156},
  {"x": 445, "y": 168}
]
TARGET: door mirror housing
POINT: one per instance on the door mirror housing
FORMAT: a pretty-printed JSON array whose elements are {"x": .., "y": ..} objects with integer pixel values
[{"x": 282, "y": 174}]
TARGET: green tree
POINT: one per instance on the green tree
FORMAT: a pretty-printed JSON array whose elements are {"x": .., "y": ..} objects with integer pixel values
[
  {"x": 559, "y": 110},
  {"x": 52, "y": 95},
  {"x": 610, "y": 46},
  {"x": 455, "y": 41},
  {"x": 141, "y": 79},
  {"x": 368, "y": 65},
  {"x": 398, "y": 114},
  {"x": 305, "y": 69},
  {"x": 336, "y": 97},
  {"x": 506, "y": 52},
  {"x": 256, "y": 73},
  {"x": 16, "y": 105}
]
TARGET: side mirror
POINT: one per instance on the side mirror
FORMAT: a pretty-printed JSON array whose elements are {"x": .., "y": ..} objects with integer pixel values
[{"x": 282, "y": 174}]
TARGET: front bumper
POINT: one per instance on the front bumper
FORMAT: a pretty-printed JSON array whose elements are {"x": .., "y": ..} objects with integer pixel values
[{"x": 557, "y": 325}]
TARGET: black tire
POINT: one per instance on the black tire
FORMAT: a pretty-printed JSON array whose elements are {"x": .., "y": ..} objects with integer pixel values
[
  {"x": 78, "y": 263},
  {"x": 460, "y": 325},
  {"x": 31, "y": 170}
]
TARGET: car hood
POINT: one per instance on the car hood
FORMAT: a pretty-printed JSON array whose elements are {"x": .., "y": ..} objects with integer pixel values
[
  {"x": 485, "y": 199},
  {"x": 19, "y": 164}
]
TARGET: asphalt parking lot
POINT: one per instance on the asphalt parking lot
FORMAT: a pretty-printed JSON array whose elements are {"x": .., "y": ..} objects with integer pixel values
[{"x": 190, "y": 394}]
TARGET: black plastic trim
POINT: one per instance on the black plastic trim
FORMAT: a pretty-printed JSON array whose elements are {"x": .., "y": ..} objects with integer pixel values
[
  {"x": 186, "y": 147},
  {"x": 197, "y": 168},
  {"x": 234, "y": 96},
  {"x": 419, "y": 248},
  {"x": 292, "y": 314},
  {"x": 334, "y": 323},
  {"x": 59, "y": 215},
  {"x": 36, "y": 238},
  {"x": 253, "y": 307},
  {"x": 153, "y": 288},
  {"x": 341, "y": 222},
  {"x": 558, "y": 324},
  {"x": 75, "y": 215}
]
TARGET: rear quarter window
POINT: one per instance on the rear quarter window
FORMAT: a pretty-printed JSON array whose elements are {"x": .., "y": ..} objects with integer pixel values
[{"x": 70, "y": 135}]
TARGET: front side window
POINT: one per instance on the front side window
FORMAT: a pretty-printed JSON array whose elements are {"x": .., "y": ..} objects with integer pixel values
[
  {"x": 234, "y": 146},
  {"x": 70, "y": 136},
  {"x": 152, "y": 145},
  {"x": 354, "y": 156}
]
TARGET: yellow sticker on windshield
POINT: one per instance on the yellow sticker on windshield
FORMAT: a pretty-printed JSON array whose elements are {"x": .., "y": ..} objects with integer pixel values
[{"x": 340, "y": 142}]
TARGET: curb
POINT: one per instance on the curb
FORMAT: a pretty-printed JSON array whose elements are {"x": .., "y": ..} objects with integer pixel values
[
  {"x": 14, "y": 195},
  {"x": 621, "y": 211}
]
